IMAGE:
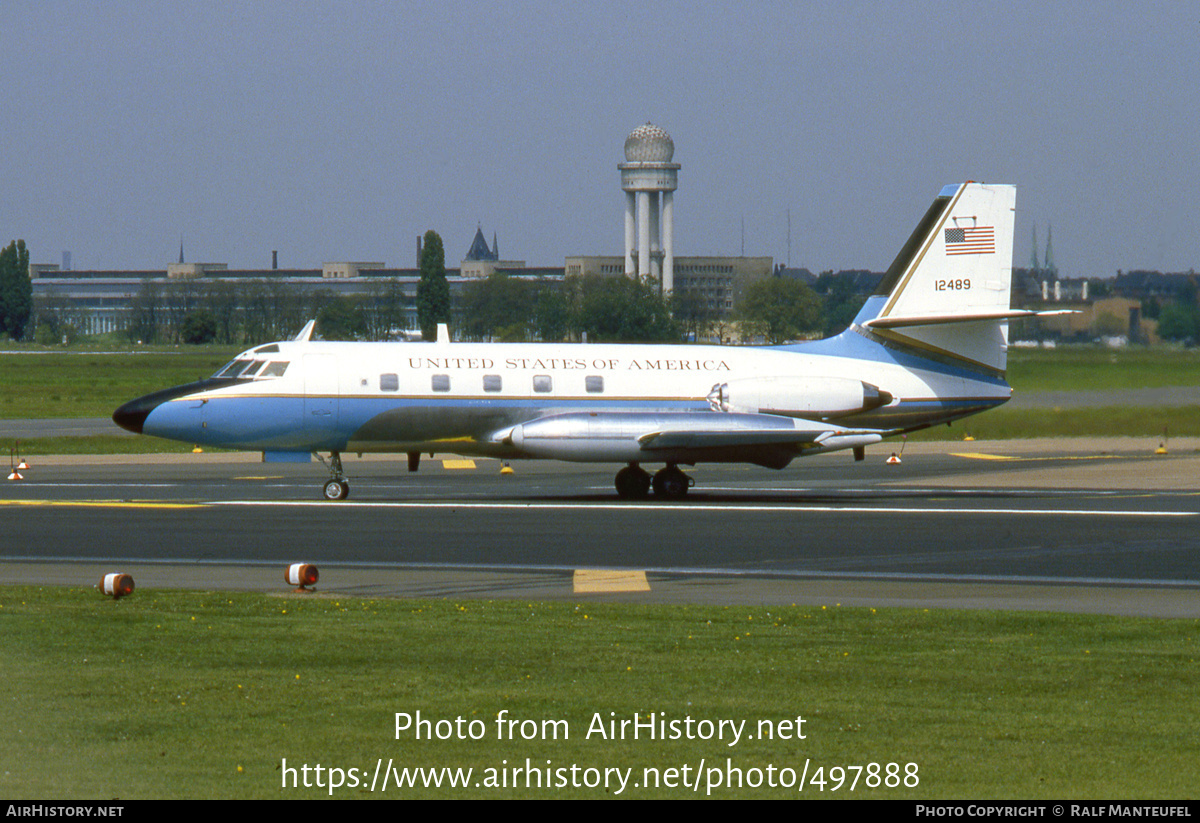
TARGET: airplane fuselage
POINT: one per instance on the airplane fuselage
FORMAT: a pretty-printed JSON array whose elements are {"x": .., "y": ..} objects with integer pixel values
[
  {"x": 929, "y": 347},
  {"x": 468, "y": 399}
]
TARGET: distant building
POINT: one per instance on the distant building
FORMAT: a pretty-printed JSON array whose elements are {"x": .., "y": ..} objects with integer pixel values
[
  {"x": 720, "y": 281},
  {"x": 101, "y": 301},
  {"x": 484, "y": 261}
]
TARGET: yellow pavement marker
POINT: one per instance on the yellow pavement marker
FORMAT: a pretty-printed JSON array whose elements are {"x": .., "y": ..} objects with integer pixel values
[{"x": 601, "y": 581}]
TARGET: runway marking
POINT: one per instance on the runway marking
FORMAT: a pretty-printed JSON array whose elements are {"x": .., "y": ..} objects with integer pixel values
[
  {"x": 608, "y": 581},
  {"x": 982, "y": 456},
  {"x": 692, "y": 507},
  {"x": 458, "y": 464},
  {"x": 105, "y": 504}
]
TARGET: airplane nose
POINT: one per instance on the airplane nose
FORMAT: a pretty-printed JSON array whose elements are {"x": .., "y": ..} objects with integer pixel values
[{"x": 132, "y": 416}]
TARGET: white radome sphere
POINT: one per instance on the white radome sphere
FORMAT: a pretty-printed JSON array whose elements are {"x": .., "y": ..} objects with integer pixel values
[{"x": 649, "y": 144}]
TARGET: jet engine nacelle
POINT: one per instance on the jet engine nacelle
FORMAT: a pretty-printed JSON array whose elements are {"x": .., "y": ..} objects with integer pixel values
[
  {"x": 808, "y": 397},
  {"x": 621, "y": 437}
]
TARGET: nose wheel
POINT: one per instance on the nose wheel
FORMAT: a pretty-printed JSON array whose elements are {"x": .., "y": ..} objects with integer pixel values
[{"x": 336, "y": 488}]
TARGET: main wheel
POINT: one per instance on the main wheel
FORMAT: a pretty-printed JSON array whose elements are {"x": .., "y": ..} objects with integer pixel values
[
  {"x": 337, "y": 490},
  {"x": 671, "y": 483},
  {"x": 632, "y": 483}
]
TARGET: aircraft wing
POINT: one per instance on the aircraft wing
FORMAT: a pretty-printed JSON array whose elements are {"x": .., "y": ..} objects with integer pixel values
[{"x": 680, "y": 437}]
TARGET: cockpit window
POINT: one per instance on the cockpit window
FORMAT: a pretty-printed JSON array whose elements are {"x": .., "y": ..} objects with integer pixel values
[
  {"x": 233, "y": 369},
  {"x": 245, "y": 369}
]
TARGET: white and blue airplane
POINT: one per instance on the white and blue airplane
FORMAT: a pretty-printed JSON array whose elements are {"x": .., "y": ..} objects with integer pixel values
[{"x": 927, "y": 348}]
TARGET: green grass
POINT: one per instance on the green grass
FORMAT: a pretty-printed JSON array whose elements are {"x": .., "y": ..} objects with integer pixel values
[
  {"x": 86, "y": 384},
  {"x": 1110, "y": 421},
  {"x": 1091, "y": 368},
  {"x": 99, "y": 444},
  {"x": 170, "y": 694}
]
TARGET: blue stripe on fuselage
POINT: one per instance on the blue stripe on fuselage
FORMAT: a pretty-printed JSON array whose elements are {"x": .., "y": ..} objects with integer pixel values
[{"x": 279, "y": 422}]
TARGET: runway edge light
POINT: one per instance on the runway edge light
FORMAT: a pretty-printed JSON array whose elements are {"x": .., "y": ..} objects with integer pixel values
[
  {"x": 301, "y": 575},
  {"x": 116, "y": 585}
]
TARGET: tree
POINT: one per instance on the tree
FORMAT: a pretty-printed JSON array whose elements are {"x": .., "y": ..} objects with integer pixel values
[
  {"x": 221, "y": 299},
  {"x": 841, "y": 301},
  {"x": 497, "y": 302},
  {"x": 144, "y": 313},
  {"x": 16, "y": 289},
  {"x": 694, "y": 313},
  {"x": 433, "y": 292},
  {"x": 56, "y": 318},
  {"x": 1179, "y": 322},
  {"x": 779, "y": 309},
  {"x": 625, "y": 310},
  {"x": 552, "y": 314},
  {"x": 382, "y": 309},
  {"x": 199, "y": 326},
  {"x": 340, "y": 319}
]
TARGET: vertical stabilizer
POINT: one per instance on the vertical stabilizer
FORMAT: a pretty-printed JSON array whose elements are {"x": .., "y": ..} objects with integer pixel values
[{"x": 948, "y": 291}]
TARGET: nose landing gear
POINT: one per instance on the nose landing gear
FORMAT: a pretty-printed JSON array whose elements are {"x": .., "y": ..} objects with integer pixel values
[{"x": 336, "y": 488}]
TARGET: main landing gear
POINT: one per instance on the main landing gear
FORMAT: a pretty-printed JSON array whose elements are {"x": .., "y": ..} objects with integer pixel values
[
  {"x": 337, "y": 488},
  {"x": 634, "y": 483}
]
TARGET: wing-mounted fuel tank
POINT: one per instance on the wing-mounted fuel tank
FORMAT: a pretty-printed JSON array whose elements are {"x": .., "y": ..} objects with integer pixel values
[{"x": 812, "y": 398}]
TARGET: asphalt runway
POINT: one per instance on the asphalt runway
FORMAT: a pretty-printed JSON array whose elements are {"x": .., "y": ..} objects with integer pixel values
[{"x": 1084, "y": 526}]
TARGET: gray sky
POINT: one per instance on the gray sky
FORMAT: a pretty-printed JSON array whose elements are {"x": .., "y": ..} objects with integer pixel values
[{"x": 341, "y": 131}]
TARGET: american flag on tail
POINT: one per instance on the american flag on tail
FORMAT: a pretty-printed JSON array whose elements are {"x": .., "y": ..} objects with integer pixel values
[{"x": 977, "y": 240}]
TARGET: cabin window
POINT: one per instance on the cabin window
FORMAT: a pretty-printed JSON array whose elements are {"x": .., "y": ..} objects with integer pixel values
[
  {"x": 594, "y": 384},
  {"x": 389, "y": 382},
  {"x": 491, "y": 382},
  {"x": 441, "y": 382},
  {"x": 275, "y": 369},
  {"x": 542, "y": 383},
  {"x": 271, "y": 349}
]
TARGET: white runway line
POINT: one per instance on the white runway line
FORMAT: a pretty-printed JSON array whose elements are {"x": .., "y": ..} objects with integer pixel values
[{"x": 698, "y": 507}]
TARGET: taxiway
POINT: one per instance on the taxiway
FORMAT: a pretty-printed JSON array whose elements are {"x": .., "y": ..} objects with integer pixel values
[{"x": 1057, "y": 525}]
